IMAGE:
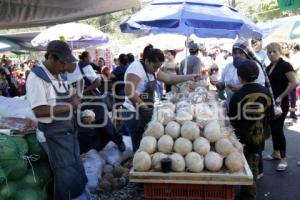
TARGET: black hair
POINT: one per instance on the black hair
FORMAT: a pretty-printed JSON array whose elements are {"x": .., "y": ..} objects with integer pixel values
[
  {"x": 102, "y": 60},
  {"x": 83, "y": 55},
  {"x": 172, "y": 52},
  {"x": 2, "y": 71},
  {"x": 130, "y": 57},
  {"x": 297, "y": 47},
  {"x": 154, "y": 55},
  {"x": 55, "y": 57},
  {"x": 146, "y": 50},
  {"x": 123, "y": 59},
  {"x": 193, "y": 51}
]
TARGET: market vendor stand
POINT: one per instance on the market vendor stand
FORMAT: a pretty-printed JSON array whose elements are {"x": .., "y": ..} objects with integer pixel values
[{"x": 191, "y": 186}]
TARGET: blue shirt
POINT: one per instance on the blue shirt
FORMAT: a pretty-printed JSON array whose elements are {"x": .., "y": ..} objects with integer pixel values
[{"x": 119, "y": 73}]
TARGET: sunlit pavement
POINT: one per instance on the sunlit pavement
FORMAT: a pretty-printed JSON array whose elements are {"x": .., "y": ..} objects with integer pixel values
[{"x": 282, "y": 185}]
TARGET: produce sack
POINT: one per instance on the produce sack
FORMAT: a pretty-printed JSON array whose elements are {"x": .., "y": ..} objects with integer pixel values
[
  {"x": 7, "y": 190},
  {"x": 40, "y": 178},
  {"x": 34, "y": 147},
  {"x": 13, "y": 159},
  {"x": 93, "y": 164},
  {"x": 30, "y": 194}
]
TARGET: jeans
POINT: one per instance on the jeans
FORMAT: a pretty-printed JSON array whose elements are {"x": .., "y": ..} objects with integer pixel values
[
  {"x": 103, "y": 121},
  {"x": 130, "y": 127}
]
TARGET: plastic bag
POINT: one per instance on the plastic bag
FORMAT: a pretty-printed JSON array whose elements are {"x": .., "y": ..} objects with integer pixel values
[
  {"x": 18, "y": 125},
  {"x": 16, "y": 107},
  {"x": 93, "y": 164},
  {"x": 113, "y": 156}
]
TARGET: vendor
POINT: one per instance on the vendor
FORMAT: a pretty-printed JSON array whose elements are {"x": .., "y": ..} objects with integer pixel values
[
  {"x": 52, "y": 105},
  {"x": 92, "y": 96},
  {"x": 140, "y": 85}
]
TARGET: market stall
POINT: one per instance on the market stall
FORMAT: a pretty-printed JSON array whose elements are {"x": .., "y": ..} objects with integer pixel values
[{"x": 189, "y": 149}]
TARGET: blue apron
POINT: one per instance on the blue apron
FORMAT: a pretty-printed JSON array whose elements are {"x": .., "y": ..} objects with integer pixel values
[
  {"x": 63, "y": 150},
  {"x": 145, "y": 114}
]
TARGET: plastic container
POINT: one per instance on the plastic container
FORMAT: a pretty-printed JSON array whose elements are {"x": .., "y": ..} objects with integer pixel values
[{"x": 166, "y": 191}]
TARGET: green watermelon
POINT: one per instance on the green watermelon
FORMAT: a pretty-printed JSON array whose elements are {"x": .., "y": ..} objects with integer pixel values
[
  {"x": 2, "y": 176},
  {"x": 14, "y": 169},
  {"x": 21, "y": 144},
  {"x": 8, "y": 190},
  {"x": 8, "y": 148},
  {"x": 42, "y": 173},
  {"x": 34, "y": 147},
  {"x": 30, "y": 194}
]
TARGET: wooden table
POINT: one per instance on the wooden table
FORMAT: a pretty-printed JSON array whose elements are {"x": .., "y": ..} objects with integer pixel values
[{"x": 245, "y": 177}]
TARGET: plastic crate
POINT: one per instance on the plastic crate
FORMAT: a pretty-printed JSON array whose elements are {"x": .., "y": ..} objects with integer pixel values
[{"x": 166, "y": 191}]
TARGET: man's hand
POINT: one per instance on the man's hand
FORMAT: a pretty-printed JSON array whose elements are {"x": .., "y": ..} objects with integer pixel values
[
  {"x": 196, "y": 78},
  {"x": 75, "y": 101}
]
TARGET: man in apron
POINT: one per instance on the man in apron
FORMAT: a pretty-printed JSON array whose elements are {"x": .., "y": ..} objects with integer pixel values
[{"x": 52, "y": 105}]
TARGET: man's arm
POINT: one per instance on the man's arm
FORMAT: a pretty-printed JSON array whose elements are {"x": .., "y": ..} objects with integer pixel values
[{"x": 50, "y": 111}]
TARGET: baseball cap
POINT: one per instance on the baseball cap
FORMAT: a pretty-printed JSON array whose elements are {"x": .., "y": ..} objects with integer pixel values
[
  {"x": 193, "y": 47},
  {"x": 61, "y": 50},
  {"x": 247, "y": 70}
]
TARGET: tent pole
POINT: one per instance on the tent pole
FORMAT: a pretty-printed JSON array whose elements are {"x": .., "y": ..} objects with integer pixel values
[{"x": 186, "y": 52}]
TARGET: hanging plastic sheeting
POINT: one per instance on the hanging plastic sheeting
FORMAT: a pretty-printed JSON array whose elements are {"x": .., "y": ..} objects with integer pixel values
[
  {"x": 7, "y": 45},
  {"x": 28, "y": 13}
]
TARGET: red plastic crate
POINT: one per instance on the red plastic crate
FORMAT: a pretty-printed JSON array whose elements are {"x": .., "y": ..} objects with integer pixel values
[{"x": 166, "y": 191}]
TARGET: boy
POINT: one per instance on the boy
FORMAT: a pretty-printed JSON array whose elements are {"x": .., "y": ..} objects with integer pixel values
[{"x": 249, "y": 112}]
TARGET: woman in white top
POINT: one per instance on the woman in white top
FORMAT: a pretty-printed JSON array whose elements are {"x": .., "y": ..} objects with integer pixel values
[{"x": 140, "y": 86}]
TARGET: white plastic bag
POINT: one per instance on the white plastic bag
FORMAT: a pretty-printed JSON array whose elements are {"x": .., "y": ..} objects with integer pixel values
[
  {"x": 113, "y": 156},
  {"x": 93, "y": 164},
  {"x": 15, "y": 107}
]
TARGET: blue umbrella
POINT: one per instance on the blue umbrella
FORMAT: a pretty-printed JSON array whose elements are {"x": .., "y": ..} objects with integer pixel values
[{"x": 204, "y": 18}]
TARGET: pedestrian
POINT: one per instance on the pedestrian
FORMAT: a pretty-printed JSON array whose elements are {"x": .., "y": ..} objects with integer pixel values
[
  {"x": 170, "y": 66},
  {"x": 294, "y": 60},
  {"x": 117, "y": 76},
  {"x": 3, "y": 84},
  {"x": 229, "y": 80},
  {"x": 53, "y": 107},
  {"x": 250, "y": 111},
  {"x": 193, "y": 62},
  {"x": 282, "y": 79},
  {"x": 257, "y": 45}
]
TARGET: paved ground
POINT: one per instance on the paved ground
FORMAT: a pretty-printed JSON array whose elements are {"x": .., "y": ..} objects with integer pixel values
[{"x": 282, "y": 185}]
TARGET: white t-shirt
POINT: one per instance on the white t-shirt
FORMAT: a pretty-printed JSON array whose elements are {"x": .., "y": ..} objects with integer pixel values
[
  {"x": 229, "y": 76},
  {"x": 137, "y": 68},
  {"x": 76, "y": 75},
  {"x": 39, "y": 92}
]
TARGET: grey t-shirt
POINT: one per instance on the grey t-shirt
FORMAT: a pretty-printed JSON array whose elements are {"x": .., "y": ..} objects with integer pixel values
[{"x": 193, "y": 65}]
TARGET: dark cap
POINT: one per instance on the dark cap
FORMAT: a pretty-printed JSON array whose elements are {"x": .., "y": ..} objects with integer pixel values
[
  {"x": 194, "y": 47},
  {"x": 247, "y": 70},
  {"x": 61, "y": 50}
]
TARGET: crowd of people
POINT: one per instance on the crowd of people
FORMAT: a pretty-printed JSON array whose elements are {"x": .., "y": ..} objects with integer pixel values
[{"x": 248, "y": 74}]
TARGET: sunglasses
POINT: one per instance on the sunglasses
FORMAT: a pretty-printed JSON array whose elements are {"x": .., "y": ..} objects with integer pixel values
[{"x": 253, "y": 42}]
